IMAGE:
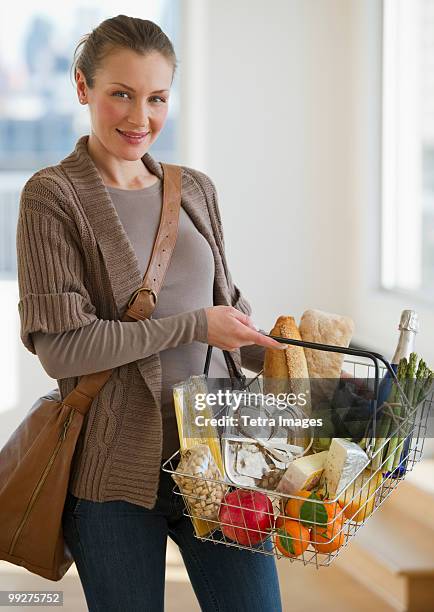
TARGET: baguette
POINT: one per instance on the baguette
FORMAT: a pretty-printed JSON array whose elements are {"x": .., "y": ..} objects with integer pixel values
[{"x": 286, "y": 371}]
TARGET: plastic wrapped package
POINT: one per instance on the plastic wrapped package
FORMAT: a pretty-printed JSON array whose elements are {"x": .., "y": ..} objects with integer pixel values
[
  {"x": 202, "y": 495},
  {"x": 345, "y": 460}
]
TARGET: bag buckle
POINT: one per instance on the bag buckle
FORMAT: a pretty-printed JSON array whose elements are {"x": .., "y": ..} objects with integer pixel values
[{"x": 137, "y": 291}]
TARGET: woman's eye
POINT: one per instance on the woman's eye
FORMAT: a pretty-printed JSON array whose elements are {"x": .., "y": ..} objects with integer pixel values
[
  {"x": 159, "y": 98},
  {"x": 120, "y": 92}
]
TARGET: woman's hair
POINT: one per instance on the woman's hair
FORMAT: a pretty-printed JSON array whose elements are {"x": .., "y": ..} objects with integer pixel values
[{"x": 120, "y": 32}]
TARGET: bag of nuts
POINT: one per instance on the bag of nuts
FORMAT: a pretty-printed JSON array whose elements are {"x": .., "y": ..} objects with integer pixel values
[{"x": 203, "y": 497}]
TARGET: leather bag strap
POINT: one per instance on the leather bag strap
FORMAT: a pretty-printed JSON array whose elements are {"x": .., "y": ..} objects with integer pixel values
[{"x": 144, "y": 299}]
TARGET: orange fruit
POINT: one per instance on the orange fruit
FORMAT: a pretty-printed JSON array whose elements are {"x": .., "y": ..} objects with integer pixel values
[
  {"x": 293, "y": 506},
  {"x": 291, "y": 537},
  {"x": 319, "y": 512},
  {"x": 328, "y": 538}
]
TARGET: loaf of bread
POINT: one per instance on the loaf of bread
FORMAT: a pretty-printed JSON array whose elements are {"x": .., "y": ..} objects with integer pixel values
[
  {"x": 325, "y": 328},
  {"x": 286, "y": 371},
  {"x": 324, "y": 367}
]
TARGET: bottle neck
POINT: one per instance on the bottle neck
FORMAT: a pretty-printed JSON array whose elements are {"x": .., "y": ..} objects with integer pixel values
[{"x": 405, "y": 345}]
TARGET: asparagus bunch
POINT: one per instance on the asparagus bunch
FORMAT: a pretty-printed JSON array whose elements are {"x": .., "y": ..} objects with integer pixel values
[{"x": 416, "y": 383}]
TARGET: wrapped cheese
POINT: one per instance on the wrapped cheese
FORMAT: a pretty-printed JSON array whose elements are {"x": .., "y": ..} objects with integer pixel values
[
  {"x": 345, "y": 460},
  {"x": 303, "y": 473}
]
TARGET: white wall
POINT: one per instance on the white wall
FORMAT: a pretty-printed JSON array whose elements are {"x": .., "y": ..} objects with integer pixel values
[
  {"x": 278, "y": 132},
  {"x": 282, "y": 108}
]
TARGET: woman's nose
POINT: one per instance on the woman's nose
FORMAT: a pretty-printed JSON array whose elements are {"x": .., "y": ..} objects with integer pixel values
[{"x": 139, "y": 115}]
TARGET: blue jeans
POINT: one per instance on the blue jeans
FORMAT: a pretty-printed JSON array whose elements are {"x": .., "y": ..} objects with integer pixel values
[{"x": 119, "y": 549}]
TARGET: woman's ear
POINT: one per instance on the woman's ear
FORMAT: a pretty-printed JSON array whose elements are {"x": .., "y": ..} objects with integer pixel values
[{"x": 81, "y": 86}]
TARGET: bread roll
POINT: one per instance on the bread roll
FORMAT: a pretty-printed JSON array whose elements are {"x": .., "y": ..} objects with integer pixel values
[
  {"x": 285, "y": 371},
  {"x": 325, "y": 328}
]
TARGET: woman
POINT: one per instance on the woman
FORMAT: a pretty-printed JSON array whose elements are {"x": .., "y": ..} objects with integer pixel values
[{"x": 85, "y": 233}]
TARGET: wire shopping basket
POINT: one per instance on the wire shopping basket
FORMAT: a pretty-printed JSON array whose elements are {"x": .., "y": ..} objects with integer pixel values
[{"x": 312, "y": 526}]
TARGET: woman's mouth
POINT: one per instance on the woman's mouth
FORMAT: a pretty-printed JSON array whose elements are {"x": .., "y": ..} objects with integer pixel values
[{"x": 133, "y": 137}]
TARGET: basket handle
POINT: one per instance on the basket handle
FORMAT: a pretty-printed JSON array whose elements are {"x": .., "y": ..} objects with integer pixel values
[
  {"x": 241, "y": 379},
  {"x": 375, "y": 357},
  {"x": 208, "y": 359}
]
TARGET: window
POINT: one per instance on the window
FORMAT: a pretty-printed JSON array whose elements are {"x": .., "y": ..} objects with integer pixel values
[{"x": 408, "y": 148}]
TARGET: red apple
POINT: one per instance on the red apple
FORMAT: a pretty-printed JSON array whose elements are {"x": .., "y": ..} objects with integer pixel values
[{"x": 244, "y": 514}]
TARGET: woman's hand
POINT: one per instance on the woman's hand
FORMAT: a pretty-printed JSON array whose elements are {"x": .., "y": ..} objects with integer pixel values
[{"x": 229, "y": 329}]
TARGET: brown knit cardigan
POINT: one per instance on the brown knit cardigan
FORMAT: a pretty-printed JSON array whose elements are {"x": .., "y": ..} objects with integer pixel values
[{"x": 76, "y": 264}]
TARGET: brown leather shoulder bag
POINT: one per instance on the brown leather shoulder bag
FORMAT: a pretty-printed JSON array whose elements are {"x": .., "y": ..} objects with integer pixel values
[{"x": 35, "y": 463}]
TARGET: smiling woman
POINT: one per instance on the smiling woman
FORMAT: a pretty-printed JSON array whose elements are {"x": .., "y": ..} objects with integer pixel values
[
  {"x": 125, "y": 124},
  {"x": 86, "y": 236}
]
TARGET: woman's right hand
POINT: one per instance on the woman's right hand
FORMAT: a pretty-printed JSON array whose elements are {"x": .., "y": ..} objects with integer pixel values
[{"x": 229, "y": 329}]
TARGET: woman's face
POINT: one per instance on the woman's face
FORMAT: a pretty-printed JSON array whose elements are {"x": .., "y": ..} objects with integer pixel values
[{"x": 141, "y": 108}]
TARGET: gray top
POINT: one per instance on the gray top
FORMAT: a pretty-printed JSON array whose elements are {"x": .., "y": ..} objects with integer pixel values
[{"x": 187, "y": 287}]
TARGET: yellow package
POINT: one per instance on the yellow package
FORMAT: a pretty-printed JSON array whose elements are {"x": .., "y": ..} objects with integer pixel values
[{"x": 191, "y": 434}]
